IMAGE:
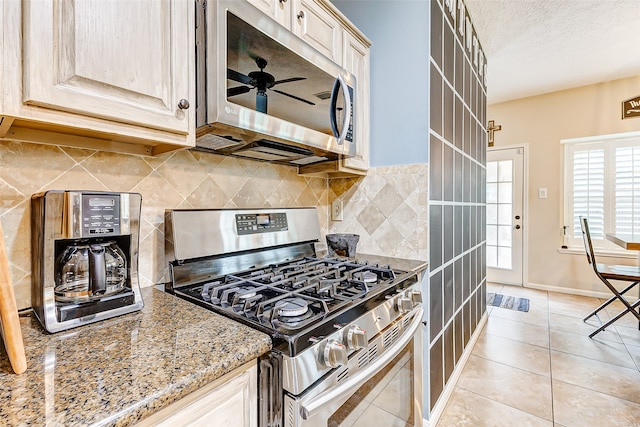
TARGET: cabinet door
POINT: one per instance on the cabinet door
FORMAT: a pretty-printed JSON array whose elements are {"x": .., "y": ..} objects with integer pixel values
[
  {"x": 318, "y": 27},
  {"x": 356, "y": 61},
  {"x": 126, "y": 61},
  {"x": 279, "y": 10},
  {"x": 233, "y": 402}
]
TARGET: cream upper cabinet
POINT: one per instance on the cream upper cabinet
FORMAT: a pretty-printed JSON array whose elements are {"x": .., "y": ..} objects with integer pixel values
[
  {"x": 118, "y": 60},
  {"x": 279, "y": 10},
  {"x": 230, "y": 401},
  {"x": 308, "y": 19},
  {"x": 315, "y": 25},
  {"x": 356, "y": 61},
  {"x": 119, "y": 72}
]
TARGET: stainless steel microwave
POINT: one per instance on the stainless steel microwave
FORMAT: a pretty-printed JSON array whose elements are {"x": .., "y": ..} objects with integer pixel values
[{"x": 264, "y": 93}]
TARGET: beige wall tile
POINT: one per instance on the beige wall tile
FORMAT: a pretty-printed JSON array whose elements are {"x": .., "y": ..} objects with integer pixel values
[
  {"x": 183, "y": 179},
  {"x": 191, "y": 179},
  {"x": 388, "y": 208},
  {"x": 117, "y": 171},
  {"x": 30, "y": 167}
]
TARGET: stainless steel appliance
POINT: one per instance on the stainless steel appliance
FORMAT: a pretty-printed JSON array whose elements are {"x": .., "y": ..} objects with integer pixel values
[
  {"x": 339, "y": 325},
  {"x": 84, "y": 257},
  {"x": 263, "y": 93}
]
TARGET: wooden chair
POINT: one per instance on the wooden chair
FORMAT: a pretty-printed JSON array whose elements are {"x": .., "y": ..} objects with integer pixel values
[{"x": 605, "y": 273}]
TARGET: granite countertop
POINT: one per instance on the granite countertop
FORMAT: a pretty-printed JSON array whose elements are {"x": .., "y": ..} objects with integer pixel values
[{"x": 118, "y": 371}]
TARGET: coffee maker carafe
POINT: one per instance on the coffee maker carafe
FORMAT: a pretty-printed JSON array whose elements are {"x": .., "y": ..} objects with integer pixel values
[
  {"x": 89, "y": 271},
  {"x": 84, "y": 256}
]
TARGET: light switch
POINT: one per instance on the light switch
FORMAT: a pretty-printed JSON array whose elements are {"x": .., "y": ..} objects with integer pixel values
[{"x": 542, "y": 193}]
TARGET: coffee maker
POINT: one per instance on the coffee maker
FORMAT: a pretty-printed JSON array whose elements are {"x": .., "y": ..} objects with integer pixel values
[{"x": 84, "y": 256}]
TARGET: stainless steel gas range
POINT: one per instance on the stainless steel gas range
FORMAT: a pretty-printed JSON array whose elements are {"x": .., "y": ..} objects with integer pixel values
[{"x": 344, "y": 331}]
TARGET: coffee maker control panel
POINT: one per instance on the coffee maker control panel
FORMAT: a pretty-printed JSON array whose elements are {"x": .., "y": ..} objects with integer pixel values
[{"x": 100, "y": 215}]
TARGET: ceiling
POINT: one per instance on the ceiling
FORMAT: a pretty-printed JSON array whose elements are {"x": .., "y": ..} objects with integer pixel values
[{"x": 540, "y": 46}]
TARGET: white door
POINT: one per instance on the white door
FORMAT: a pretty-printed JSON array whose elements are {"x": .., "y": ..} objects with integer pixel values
[{"x": 505, "y": 190}]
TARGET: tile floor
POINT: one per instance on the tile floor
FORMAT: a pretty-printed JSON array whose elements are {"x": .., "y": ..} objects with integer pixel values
[{"x": 541, "y": 369}]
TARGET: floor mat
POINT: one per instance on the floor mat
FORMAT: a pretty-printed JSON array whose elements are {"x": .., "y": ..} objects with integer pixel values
[{"x": 506, "y": 301}]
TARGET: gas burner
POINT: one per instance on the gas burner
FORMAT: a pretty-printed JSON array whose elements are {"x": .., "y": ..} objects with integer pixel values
[
  {"x": 246, "y": 295},
  {"x": 291, "y": 307},
  {"x": 366, "y": 276},
  {"x": 206, "y": 290}
]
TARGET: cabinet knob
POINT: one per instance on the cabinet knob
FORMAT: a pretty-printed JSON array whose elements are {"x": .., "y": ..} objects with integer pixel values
[
  {"x": 301, "y": 14},
  {"x": 183, "y": 104}
]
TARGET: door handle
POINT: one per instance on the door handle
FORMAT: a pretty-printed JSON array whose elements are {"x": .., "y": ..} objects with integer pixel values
[
  {"x": 341, "y": 135},
  {"x": 518, "y": 227}
]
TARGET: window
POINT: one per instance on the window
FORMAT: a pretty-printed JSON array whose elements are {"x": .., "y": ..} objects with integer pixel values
[
  {"x": 602, "y": 182},
  {"x": 499, "y": 213}
]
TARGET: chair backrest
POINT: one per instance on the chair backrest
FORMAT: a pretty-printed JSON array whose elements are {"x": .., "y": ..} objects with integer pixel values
[{"x": 588, "y": 246}]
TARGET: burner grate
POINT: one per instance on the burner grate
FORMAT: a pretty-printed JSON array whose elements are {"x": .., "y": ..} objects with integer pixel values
[{"x": 322, "y": 285}]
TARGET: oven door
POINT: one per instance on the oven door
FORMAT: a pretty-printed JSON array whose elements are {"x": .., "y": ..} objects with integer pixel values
[{"x": 382, "y": 383}]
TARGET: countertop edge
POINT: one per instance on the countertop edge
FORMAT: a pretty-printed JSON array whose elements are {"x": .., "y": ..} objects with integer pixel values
[{"x": 118, "y": 371}]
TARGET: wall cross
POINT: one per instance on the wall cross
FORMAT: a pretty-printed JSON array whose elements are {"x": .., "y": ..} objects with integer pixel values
[{"x": 491, "y": 129}]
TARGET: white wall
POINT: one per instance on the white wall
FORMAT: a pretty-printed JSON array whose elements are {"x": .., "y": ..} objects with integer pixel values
[{"x": 541, "y": 122}]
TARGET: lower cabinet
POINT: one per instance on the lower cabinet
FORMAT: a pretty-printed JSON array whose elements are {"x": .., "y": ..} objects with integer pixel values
[{"x": 231, "y": 400}]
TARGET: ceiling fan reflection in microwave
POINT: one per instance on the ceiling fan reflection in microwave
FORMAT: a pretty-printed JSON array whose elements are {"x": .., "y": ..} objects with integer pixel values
[
  {"x": 245, "y": 60},
  {"x": 261, "y": 81}
]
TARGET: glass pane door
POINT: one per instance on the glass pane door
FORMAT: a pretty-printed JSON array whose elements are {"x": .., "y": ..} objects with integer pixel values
[{"x": 504, "y": 216}]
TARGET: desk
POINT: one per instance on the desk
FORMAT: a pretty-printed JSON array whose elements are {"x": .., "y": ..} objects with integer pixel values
[{"x": 628, "y": 241}]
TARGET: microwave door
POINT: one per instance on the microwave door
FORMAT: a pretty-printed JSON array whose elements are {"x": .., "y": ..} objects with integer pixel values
[
  {"x": 264, "y": 83},
  {"x": 266, "y": 76}
]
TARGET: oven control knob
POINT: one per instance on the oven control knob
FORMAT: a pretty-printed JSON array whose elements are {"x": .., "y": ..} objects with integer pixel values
[
  {"x": 356, "y": 338},
  {"x": 334, "y": 354},
  {"x": 416, "y": 296},
  {"x": 405, "y": 304}
]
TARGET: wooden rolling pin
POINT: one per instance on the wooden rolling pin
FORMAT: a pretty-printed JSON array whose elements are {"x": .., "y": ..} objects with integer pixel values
[{"x": 9, "y": 322}]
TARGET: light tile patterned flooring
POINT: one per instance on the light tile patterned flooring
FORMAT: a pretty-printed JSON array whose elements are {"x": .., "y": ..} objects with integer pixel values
[{"x": 540, "y": 368}]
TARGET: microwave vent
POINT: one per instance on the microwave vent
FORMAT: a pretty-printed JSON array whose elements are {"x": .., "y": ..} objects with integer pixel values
[
  {"x": 217, "y": 142},
  {"x": 309, "y": 160},
  {"x": 264, "y": 149}
]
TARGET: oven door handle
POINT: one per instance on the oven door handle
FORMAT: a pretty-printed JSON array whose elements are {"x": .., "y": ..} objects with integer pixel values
[{"x": 352, "y": 384}]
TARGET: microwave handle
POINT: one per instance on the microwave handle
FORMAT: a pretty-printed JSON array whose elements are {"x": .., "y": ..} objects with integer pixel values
[{"x": 340, "y": 135}]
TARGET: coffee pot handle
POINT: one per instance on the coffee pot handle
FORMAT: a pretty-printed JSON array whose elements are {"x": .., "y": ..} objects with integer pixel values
[{"x": 97, "y": 270}]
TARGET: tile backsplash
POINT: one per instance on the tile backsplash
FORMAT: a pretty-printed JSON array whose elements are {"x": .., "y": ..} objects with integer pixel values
[
  {"x": 183, "y": 179},
  {"x": 388, "y": 207}
]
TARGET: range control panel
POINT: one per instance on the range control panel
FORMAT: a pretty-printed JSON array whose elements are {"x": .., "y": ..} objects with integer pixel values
[
  {"x": 100, "y": 215},
  {"x": 261, "y": 223}
]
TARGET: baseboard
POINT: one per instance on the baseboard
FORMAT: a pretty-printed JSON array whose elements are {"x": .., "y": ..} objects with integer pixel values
[
  {"x": 448, "y": 390},
  {"x": 571, "y": 291}
]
